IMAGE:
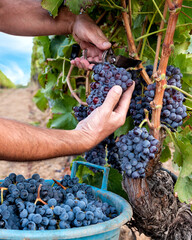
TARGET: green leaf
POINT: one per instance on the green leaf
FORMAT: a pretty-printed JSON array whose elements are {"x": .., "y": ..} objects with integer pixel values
[
  {"x": 114, "y": 183},
  {"x": 166, "y": 153},
  {"x": 76, "y": 5},
  {"x": 40, "y": 100},
  {"x": 44, "y": 41},
  {"x": 188, "y": 122},
  {"x": 183, "y": 187},
  {"x": 52, "y": 6},
  {"x": 82, "y": 171},
  {"x": 189, "y": 50},
  {"x": 63, "y": 105},
  {"x": 51, "y": 81},
  {"x": 62, "y": 121},
  {"x": 95, "y": 179},
  {"x": 125, "y": 128},
  {"x": 182, "y": 154},
  {"x": 61, "y": 46},
  {"x": 5, "y": 81}
]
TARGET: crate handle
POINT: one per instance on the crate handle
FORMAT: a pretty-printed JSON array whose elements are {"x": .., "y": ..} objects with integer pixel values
[{"x": 87, "y": 164}]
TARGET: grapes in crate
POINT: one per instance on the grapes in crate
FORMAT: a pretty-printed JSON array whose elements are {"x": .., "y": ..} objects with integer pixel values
[{"x": 33, "y": 204}]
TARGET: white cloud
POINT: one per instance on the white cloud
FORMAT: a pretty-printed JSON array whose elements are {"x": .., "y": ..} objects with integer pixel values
[
  {"x": 10, "y": 43},
  {"x": 15, "y": 73}
]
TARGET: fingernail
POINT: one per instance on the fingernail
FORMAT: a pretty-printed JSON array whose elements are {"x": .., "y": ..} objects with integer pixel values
[
  {"x": 118, "y": 89},
  {"x": 106, "y": 44}
]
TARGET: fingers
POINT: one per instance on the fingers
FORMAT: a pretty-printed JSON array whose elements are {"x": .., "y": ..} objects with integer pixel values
[
  {"x": 82, "y": 63},
  {"x": 112, "y": 99},
  {"x": 124, "y": 102}
]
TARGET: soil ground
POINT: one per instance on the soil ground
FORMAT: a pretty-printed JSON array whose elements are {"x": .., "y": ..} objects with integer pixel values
[{"x": 17, "y": 104}]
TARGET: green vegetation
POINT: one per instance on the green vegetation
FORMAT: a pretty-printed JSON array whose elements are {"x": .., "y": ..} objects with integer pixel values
[{"x": 5, "y": 82}]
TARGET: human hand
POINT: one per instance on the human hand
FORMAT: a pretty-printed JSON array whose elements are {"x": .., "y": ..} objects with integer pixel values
[
  {"x": 105, "y": 119},
  {"x": 90, "y": 37}
]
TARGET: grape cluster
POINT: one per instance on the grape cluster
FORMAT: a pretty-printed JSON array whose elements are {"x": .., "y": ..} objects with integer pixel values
[
  {"x": 173, "y": 111},
  {"x": 112, "y": 153},
  {"x": 106, "y": 76},
  {"x": 136, "y": 149},
  {"x": 80, "y": 112},
  {"x": 67, "y": 204},
  {"x": 97, "y": 155}
]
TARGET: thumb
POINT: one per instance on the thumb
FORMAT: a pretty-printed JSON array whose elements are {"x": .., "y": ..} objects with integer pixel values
[
  {"x": 99, "y": 40},
  {"x": 112, "y": 99}
]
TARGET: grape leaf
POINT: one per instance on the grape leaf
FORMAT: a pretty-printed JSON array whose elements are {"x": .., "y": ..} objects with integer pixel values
[
  {"x": 61, "y": 46},
  {"x": 44, "y": 41},
  {"x": 40, "y": 100},
  {"x": 62, "y": 121},
  {"x": 76, "y": 5},
  {"x": 128, "y": 125},
  {"x": 182, "y": 154},
  {"x": 52, "y": 6},
  {"x": 114, "y": 183},
  {"x": 166, "y": 153},
  {"x": 83, "y": 171},
  {"x": 63, "y": 105},
  {"x": 188, "y": 121},
  {"x": 189, "y": 50},
  {"x": 183, "y": 187}
]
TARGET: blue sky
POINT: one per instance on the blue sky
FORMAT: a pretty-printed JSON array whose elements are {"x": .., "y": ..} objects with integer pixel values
[{"x": 15, "y": 57}]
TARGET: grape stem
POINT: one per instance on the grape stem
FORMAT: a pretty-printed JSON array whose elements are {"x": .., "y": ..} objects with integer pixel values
[
  {"x": 2, "y": 189},
  {"x": 146, "y": 119},
  {"x": 100, "y": 18},
  {"x": 58, "y": 183},
  {"x": 178, "y": 89},
  {"x": 188, "y": 99},
  {"x": 188, "y": 107},
  {"x": 160, "y": 30},
  {"x": 170, "y": 135},
  {"x": 131, "y": 43},
  {"x": 142, "y": 123},
  {"x": 186, "y": 6},
  {"x": 71, "y": 89},
  {"x": 87, "y": 85},
  {"x": 38, "y": 199}
]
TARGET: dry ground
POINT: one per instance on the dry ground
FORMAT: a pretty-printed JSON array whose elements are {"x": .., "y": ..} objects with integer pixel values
[{"x": 17, "y": 104}]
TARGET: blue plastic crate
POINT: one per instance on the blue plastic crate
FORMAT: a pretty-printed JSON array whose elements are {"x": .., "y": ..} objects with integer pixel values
[{"x": 108, "y": 230}]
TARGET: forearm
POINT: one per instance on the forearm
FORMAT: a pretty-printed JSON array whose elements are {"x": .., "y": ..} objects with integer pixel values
[
  {"x": 22, "y": 142},
  {"x": 28, "y": 18}
]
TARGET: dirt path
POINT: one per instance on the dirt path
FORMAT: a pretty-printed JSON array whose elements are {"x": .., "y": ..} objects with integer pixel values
[{"x": 17, "y": 104}]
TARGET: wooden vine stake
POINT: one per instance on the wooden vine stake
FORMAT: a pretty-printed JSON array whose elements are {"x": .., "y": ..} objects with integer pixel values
[{"x": 160, "y": 77}]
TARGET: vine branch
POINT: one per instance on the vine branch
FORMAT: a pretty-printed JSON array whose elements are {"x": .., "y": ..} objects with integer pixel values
[
  {"x": 130, "y": 12},
  {"x": 142, "y": 32},
  {"x": 131, "y": 43},
  {"x": 161, "y": 73},
  {"x": 148, "y": 30},
  {"x": 158, "y": 10},
  {"x": 159, "y": 39}
]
